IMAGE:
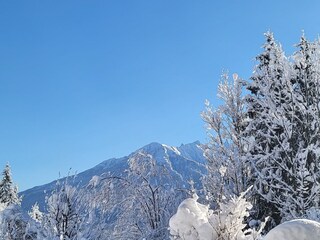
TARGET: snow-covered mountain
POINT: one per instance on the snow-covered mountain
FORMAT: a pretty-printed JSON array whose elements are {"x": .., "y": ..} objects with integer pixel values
[{"x": 185, "y": 163}]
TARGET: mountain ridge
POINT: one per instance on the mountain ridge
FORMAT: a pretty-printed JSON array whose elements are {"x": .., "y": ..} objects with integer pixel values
[{"x": 185, "y": 162}]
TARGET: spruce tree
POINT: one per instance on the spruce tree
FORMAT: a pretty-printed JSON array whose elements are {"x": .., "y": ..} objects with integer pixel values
[
  {"x": 8, "y": 191},
  {"x": 267, "y": 104},
  {"x": 284, "y": 131},
  {"x": 306, "y": 129}
]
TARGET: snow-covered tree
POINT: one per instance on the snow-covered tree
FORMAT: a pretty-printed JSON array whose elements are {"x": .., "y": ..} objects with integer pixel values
[
  {"x": 13, "y": 224},
  {"x": 101, "y": 202},
  {"x": 71, "y": 213},
  {"x": 269, "y": 106},
  {"x": 146, "y": 199},
  {"x": 283, "y": 131},
  {"x": 66, "y": 213},
  {"x": 8, "y": 191},
  {"x": 35, "y": 213},
  {"x": 305, "y": 191},
  {"x": 228, "y": 171}
]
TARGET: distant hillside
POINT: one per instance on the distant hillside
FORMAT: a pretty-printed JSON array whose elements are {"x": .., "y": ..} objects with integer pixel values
[{"x": 185, "y": 163}]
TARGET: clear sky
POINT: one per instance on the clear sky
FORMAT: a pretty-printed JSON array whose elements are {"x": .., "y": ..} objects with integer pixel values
[{"x": 84, "y": 81}]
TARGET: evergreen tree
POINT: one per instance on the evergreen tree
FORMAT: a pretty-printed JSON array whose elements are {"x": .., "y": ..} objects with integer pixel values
[
  {"x": 283, "y": 131},
  {"x": 268, "y": 103},
  {"x": 8, "y": 191},
  {"x": 305, "y": 170}
]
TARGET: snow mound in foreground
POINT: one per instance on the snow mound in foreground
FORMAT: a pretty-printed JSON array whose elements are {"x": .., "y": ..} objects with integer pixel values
[
  {"x": 195, "y": 221},
  {"x": 192, "y": 221},
  {"x": 299, "y": 229}
]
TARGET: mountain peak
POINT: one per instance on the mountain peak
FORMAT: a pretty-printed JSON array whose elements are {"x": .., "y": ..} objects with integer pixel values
[
  {"x": 152, "y": 145},
  {"x": 184, "y": 162},
  {"x": 156, "y": 145}
]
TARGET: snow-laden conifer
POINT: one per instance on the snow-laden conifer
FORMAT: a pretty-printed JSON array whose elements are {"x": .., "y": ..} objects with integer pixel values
[
  {"x": 283, "y": 131},
  {"x": 269, "y": 128},
  {"x": 8, "y": 191}
]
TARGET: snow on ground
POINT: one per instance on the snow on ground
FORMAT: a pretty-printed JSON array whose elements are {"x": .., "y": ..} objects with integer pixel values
[
  {"x": 299, "y": 229},
  {"x": 195, "y": 221},
  {"x": 192, "y": 221}
]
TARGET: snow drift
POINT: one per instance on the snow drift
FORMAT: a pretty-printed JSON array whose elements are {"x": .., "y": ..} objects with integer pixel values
[
  {"x": 299, "y": 229},
  {"x": 195, "y": 221}
]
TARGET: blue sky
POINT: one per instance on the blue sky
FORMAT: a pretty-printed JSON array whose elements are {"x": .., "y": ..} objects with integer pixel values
[{"x": 84, "y": 81}]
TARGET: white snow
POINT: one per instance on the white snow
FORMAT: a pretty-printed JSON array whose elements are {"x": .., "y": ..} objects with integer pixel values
[
  {"x": 174, "y": 149},
  {"x": 95, "y": 180},
  {"x": 299, "y": 229},
  {"x": 195, "y": 221},
  {"x": 192, "y": 221}
]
